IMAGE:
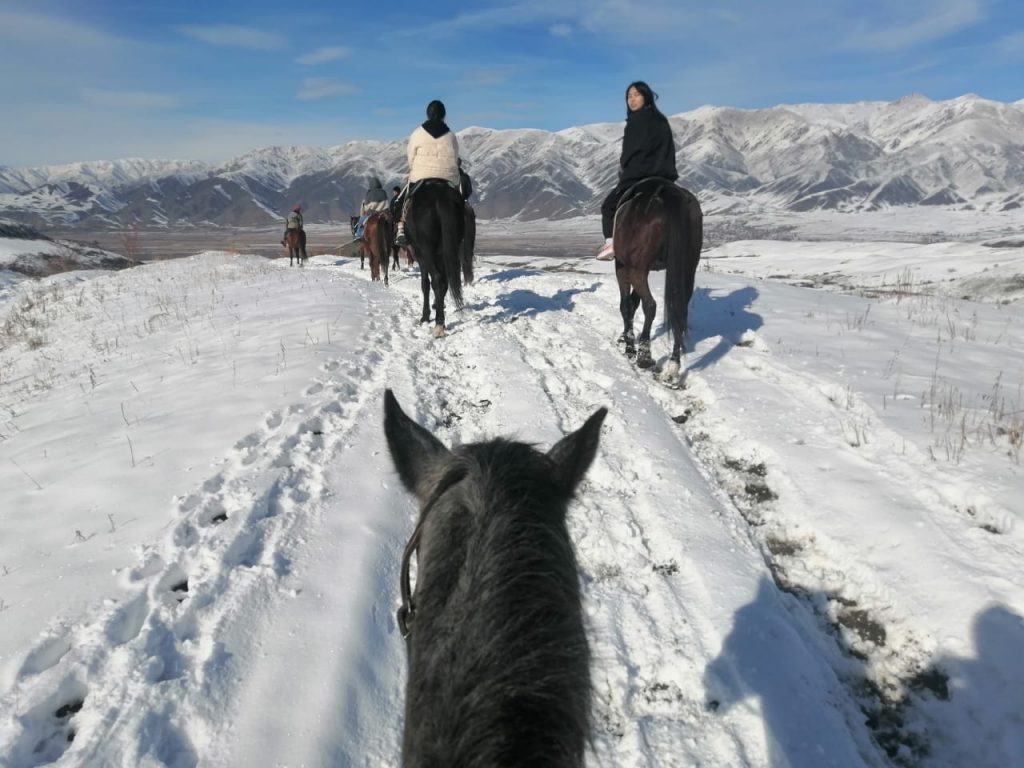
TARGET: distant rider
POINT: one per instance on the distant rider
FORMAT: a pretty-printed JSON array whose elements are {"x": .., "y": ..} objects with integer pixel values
[
  {"x": 375, "y": 199},
  {"x": 294, "y": 221}
]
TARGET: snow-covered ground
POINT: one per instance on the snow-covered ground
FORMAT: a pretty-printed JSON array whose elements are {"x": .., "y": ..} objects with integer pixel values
[{"x": 809, "y": 556}]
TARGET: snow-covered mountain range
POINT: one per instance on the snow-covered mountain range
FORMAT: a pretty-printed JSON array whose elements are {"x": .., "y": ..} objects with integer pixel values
[{"x": 965, "y": 152}]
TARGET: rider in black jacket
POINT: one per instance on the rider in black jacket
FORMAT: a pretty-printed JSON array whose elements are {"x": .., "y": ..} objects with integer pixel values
[{"x": 648, "y": 149}]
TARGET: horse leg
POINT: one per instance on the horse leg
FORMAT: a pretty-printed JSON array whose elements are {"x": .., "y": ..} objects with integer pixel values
[
  {"x": 440, "y": 289},
  {"x": 425, "y": 284},
  {"x": 643, "y": 358},
  {"x": 627, "y": 308}
]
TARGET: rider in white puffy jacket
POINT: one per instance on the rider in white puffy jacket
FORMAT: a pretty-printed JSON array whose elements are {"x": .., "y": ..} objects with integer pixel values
[{"x": 433, "y": 153}]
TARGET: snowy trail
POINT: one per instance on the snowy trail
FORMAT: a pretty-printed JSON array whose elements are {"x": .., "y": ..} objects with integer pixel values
[
  {"x": 635, "y": 524},
  {"x": 739, "y": 614}
]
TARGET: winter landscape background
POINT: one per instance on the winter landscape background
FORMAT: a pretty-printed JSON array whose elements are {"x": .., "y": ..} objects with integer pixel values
[
  {"x": 966, "y": 152},
  {"x": 809, "y": 555}
]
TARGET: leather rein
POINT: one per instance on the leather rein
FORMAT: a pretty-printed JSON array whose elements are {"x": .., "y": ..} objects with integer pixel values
[{"x": 407, "y": 611}]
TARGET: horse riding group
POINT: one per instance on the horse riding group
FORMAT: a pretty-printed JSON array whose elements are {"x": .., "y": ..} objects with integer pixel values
[{"x": 498, "y": 657}]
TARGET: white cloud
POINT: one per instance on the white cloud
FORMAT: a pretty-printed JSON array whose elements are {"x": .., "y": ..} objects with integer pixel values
[
  {"x": 129, "y": 99},
  {"x": 314, "y": 88},
  {"x": 41, "y": 136},
  {"x": 323, "y": 55},
  {"x": 483, "y": 77},
  {"x": 918, "y": 23},
  {"x": 560, "y": 30},
  {"x": 36, "y": 28},
  {"x": 1012, "y": 46},
  {"x": 234, "y": 36}
]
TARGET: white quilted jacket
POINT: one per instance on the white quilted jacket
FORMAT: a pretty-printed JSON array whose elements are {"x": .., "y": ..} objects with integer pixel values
[{"x": 431, "y": 158}]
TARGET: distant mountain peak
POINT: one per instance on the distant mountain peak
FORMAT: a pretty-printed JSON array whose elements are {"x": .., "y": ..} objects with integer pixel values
[{"x": 849, "y": 157}]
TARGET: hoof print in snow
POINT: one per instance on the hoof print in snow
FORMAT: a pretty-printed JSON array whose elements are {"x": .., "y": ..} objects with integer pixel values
[
  {"x": 987, "y": 522},
  {"x": 174, "y": 583},
  {"x": 666, "y": 569},
  {"x": 759, "y": 492},
  {"x": 662, "y": 693},
  {"x": 48, "y": 727},
  {"x": 70, "y": 708},
  {"x": 783, "y": 547},
  {"x": 683, "y": 417},
  {"x": 861, "y": 623}
]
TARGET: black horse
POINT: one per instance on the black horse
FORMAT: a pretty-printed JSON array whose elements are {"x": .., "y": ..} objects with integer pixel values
[
  {"x": 499, "y": 666},
  {"x": 658, "y": 226},
  {"x": 434, "y": 227}
]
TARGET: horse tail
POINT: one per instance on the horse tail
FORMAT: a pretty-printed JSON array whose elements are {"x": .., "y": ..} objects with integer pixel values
[
  {"x": 683, "y": 237},
  {"x": 450, "y": 214},
  {"x": 468, "y": 243}
]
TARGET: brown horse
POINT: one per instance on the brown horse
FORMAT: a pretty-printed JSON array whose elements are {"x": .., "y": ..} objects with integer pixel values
[
  {"x": 657, "y": 226},
  {"x": 378, "y": 233},
  {"x": 296, "y": 247}
]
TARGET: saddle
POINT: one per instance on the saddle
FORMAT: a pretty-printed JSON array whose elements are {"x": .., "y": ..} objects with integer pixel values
[
  {"x": 649, "y": 186},
  {"x": 414, "y": 186}
]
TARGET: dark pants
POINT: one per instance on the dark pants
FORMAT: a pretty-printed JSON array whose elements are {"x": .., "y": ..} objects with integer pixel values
[{"x": 610, "y": 204}]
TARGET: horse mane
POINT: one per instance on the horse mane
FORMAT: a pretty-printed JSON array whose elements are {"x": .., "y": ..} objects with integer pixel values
[{"x": 503, "y": 677}]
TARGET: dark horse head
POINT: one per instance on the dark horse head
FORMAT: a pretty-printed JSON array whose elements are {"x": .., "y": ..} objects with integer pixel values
[
  {"x": 434, "y": 227},
  {"x": 657, "y": 226},
  {"x": 499, "y": 666}
]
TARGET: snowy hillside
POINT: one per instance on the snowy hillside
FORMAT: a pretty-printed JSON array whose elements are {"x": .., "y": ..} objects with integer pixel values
[
  {"x": 962, "y": 153},
  {"x": 809, "y": 556}
]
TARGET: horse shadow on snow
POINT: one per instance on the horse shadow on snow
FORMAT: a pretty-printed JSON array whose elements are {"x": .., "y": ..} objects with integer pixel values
[
  {"x": 527, "y": 303},
  {"x": 726, "y": 318},
  {"x": 963, "y": 710}
]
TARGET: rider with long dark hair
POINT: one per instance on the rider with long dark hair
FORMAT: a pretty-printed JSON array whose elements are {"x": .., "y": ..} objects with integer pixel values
[{"x": 648, "y": 149}]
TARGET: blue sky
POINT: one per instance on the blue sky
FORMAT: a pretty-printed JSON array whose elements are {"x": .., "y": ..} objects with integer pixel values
[{"x": 105, "y": 79}]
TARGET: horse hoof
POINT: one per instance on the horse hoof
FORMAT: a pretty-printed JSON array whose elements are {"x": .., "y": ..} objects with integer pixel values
[
  {"x": 644, "y": 361},
  {"x": 438, "y": 331},
  {"x": 672, "y": 370}
]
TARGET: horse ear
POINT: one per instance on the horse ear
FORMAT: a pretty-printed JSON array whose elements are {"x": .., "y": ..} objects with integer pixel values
[
  {"x": 413, "y": 449},
  {"x": 574, "y": 452}
]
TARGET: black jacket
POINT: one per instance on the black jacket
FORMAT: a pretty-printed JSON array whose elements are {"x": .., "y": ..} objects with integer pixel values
[
  {"x": 647, "y": 147},
  {"x": 466, "y": 184}
]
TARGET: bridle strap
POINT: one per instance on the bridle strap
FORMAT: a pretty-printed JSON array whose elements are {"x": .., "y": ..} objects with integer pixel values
[{"x": 407, "y": 611}]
